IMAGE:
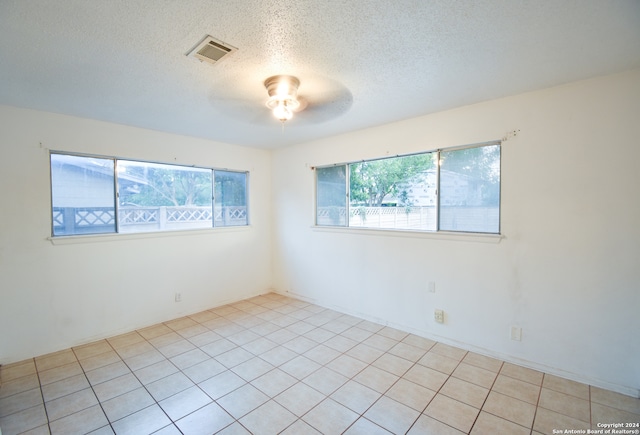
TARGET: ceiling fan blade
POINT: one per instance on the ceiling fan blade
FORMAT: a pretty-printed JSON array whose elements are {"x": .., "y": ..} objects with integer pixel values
[
  {"x": 326, "y": 106},
  {"x": 247, "y": 110}
]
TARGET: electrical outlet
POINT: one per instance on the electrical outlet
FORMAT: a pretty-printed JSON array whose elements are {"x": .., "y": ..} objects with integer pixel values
[
  {"x": 438, "y": 315},
  {"x": 516, "y": 333},
  {"x": 178, "y": 297},
  {"x": 432, "y": 287}
]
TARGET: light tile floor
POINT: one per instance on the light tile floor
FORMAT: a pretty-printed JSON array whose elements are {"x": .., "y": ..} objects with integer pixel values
[{"x": 273, "y": 364}]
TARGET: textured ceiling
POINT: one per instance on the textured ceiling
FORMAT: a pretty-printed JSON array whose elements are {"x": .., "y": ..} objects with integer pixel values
[{"x": 380, "y": 61}]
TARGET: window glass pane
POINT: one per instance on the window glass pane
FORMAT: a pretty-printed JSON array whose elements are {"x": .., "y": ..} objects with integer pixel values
[
  {"x": 158, "y": 197},
  {"x": 82, "y": 195},
  {"x": 231, "y": 199},
  {"x": 470, "y": 190},
  {"x": 395, "y": 193},
  {"x": 331, "y": 192}
]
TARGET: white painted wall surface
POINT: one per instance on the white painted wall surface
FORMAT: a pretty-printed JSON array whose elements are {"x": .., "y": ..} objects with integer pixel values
[
  {"x": 56, "y": 296},
  {"x": 567, "y": 270}
]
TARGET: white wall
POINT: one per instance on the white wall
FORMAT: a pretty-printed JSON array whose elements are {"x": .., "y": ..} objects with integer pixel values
[
  {"x": 56, "y": 296},
  {"x": 567, "y": 269}
]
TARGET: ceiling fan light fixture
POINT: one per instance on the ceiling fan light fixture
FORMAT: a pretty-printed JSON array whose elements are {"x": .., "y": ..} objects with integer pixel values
[
  {"x": 283, "y": 96},
  {"x": 282, "y": 112}
]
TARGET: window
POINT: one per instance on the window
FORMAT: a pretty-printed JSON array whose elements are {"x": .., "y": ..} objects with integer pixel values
[
  {"x": 82, "y": 193},
  {"x": 414, "y": 192},
  {"x": 394, "y": 193},
  {"x": 470, "y": 189},
  {"x": 231, "y": 198},
  {"x": 156, "y": 197},
  {"x": 150, "y": 196},
  {"x": 331, "y": 193}
]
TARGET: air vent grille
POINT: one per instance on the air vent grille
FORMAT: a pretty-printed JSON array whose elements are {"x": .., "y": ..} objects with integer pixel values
[{"x": 211, "y": 50}]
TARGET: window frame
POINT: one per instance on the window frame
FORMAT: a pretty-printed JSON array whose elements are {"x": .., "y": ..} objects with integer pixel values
[
  {"x": 438, "y": 163},
  {"x": 116, "y": 197}
]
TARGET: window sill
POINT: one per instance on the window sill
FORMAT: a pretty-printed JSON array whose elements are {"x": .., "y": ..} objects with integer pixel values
[
  {"x": 113, "y": 237},
  {"x": 436, "y": 235}
]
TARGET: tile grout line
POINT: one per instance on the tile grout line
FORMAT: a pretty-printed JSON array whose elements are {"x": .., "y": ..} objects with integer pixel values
[
  {"x": 450, "y": 375},
  {"x": 514, "y": 398},
  {"x": 84, "y": 372},
  {"x": 590, "y": 409},
  {"x": 535, "y": 412},
  {"x": 276, "y": 367},
  {"x": 227, "y": 368},
  {"x": 352, "y": 378},
  {"x": 100, "y": 402},
  {"x": 44, "y": 404},
  {"x": 425, "y": 407},
  {"x": 315, "y": 327},
  {"x": 235, "y": 420},
  {"x": 212, "y": 357},
  {"x": 343, "y": 353},
  {"x": 173, "y": 423},
  {"x": 487, "y": 398}
]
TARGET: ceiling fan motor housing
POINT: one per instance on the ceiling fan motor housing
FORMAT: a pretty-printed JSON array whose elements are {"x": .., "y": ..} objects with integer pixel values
[{"x": 282, "y": 89}]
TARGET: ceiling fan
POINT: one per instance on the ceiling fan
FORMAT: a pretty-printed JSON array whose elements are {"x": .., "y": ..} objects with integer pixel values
[
  {"x": 283, "y": 96},
  {"x": 310, "y": 99}
]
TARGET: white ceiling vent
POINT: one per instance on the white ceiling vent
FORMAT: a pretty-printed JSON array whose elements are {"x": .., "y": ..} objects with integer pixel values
[{"x": 211, "y": 50}]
